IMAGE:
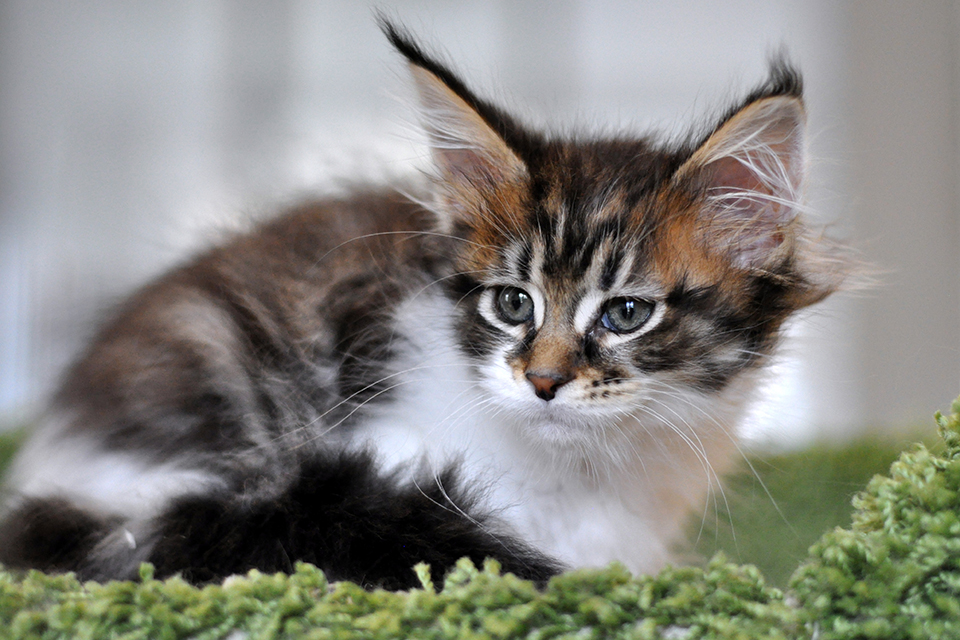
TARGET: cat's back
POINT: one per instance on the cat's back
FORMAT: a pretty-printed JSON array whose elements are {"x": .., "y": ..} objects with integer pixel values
[
  {"x": 210, "y": 373},
  {"x": 317, "y": 245}
]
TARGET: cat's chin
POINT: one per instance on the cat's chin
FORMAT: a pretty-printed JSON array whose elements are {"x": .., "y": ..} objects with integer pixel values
[
  {"x": 555, "y": 433},
  {"x": 561, "y": 427}
]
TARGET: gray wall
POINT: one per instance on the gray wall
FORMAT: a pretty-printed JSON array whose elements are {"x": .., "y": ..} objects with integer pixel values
[
  {"x": 134, "y": 132},
  {"x": 904, "y": 115}
]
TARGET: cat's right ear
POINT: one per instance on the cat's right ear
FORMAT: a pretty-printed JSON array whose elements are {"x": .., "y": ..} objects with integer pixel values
[
  {"x": 463, "y": 131},
  {"x": 464, "y": 146}
]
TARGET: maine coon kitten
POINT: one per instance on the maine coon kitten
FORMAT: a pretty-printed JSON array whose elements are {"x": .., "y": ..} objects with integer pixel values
[{"x": 542, "y": 358}]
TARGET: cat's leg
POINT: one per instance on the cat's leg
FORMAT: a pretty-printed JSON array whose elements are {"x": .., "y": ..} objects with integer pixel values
[
  {"x": 343, "y": 515},
  {"x": 55, "y": 535},
  {"x": 51, "y": 534}
]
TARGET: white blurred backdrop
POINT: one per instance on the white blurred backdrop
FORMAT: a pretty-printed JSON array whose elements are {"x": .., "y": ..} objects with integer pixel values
[{"x": 134, "y": 132}]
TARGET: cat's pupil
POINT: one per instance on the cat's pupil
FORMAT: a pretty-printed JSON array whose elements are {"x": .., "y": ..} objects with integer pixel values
[
  {"x": 623, "y": 315},
  {"x": 515, "y": 305}
]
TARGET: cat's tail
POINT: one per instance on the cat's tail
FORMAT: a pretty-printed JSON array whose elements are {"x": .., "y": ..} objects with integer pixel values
[{"x": 340, "y": 513}]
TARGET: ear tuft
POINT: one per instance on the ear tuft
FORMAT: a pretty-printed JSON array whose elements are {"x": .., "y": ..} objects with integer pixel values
[{"x": 752, "y": 171}]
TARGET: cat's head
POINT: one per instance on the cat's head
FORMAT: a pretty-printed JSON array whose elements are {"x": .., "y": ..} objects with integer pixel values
[{"x": 596, "y": 275}]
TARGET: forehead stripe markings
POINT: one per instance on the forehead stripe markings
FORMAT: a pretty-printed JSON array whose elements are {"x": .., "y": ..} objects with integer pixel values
[
  {"x": 588, "y": 307},
  {"x": 560, "y": 230},
  {"x": 624, "y": 267},
  {"x": 608, "y": 275}
]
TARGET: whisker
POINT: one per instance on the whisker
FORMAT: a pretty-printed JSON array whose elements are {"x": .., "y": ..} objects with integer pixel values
[
  {"x": 736, "y": 443},
  {"x": 370, "y": 386}
]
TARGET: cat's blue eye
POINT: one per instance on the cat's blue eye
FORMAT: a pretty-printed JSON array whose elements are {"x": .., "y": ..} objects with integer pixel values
[
  {"x": 623, "y": 315},
  {"x": 514, "y": 305}
]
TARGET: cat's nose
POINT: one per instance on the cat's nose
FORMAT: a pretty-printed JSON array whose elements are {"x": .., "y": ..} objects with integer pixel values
[{"x": 546, "y": 383}]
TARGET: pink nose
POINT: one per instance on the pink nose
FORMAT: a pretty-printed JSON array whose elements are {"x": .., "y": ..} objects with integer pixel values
[{"x": 546, "y": 383}]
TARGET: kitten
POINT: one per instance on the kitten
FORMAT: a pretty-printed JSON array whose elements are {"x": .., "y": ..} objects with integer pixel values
[{"x": 542, "y": 357}]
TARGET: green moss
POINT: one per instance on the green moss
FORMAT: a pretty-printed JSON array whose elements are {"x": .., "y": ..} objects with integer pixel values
[
  {"x": 720, "y": 601},
  {"x": 895, "y": 573}
]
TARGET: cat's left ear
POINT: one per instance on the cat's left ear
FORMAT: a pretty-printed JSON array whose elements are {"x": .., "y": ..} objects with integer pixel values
[{"x": 752, "y": 172}]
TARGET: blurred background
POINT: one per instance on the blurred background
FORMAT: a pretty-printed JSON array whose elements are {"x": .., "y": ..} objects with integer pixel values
[{"x": 132, "y": 133}]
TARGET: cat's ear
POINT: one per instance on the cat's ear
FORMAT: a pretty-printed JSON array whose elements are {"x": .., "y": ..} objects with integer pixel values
[
  {"x": 465, "y": 147},
  {"x": 466, "y": 134},
  {"x": 752, "y": 172}
]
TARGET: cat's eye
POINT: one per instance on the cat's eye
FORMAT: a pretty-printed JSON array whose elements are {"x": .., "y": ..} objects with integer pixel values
[
  {"x": 623, "y": 315},
  {"x": 515, "y": 305}
]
